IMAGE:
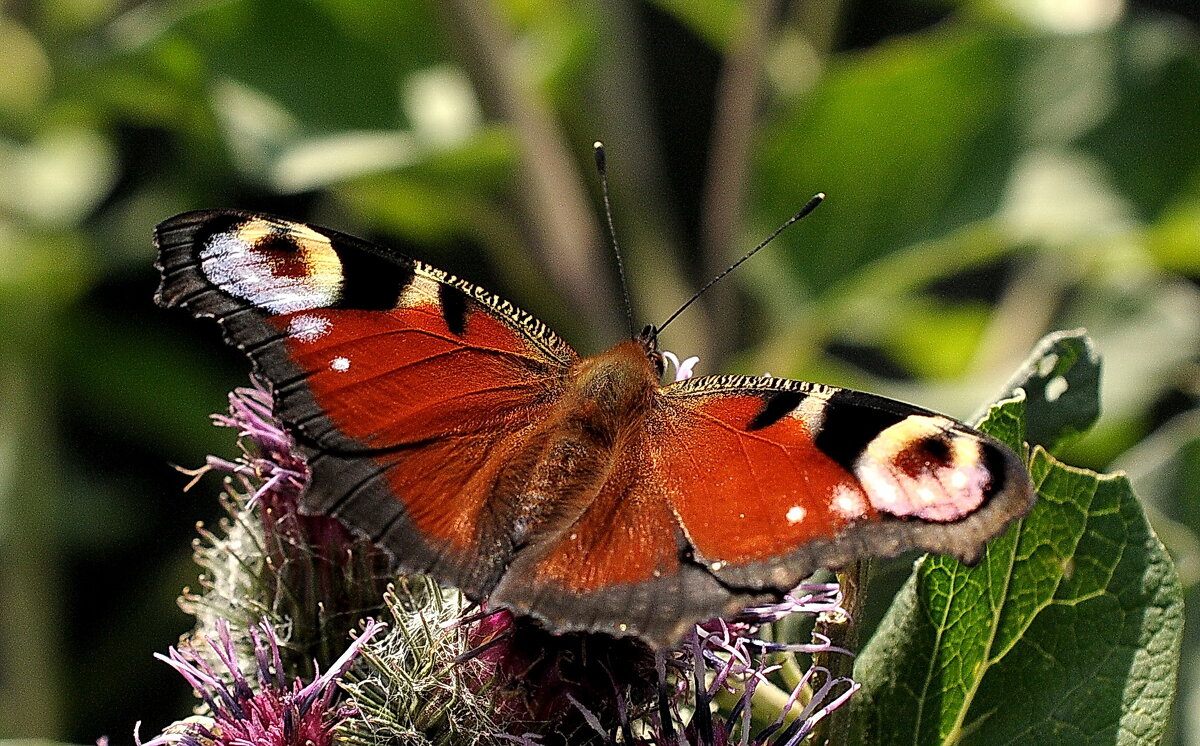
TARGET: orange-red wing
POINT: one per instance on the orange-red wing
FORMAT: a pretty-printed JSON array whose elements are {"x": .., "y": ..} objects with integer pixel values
[
  {"x": 404, "y": 385},
  {"x": 622, "y": 566},
  {"x": 772, "y": 479},
  {"x": 734, "y": 489}
]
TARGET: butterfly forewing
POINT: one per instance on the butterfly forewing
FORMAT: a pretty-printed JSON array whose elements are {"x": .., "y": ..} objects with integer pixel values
[
  {"x": 734, "y": 489},
  {"x": 404, "y": 385}
]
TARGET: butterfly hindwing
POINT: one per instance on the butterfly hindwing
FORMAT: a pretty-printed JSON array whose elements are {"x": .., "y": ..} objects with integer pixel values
[
  {"x": 825, "y": 476},
  {"x": 623, "y": 565},
  {"x": 402, "y": 384},
  {"x": 738, "y": 488}
]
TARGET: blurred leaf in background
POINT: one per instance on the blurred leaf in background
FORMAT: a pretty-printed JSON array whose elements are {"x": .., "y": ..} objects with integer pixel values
[{"x": 995, "y": 169}]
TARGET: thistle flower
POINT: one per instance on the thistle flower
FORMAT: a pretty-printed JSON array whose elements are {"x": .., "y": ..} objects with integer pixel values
[
  {"x": 553, "y": 684},
  {"x": 582, "y": 688},
  {"x": 269, "y": 711},
  {"x": 410, "y": 687},
  {"x": 443, "y": 676},
  {"x": 266, "y": 560},
  {"x": 736, "y": 663}
]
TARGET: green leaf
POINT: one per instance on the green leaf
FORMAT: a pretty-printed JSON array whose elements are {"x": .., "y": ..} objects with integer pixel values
[
  {"x": 1005, "y": 420},
  {"x": 1147, "y": 139},
  {"x": 895, "y": 175},
  {"x": 1068, "y": 631},
  {"x": 308, "y": 57},
  {"x": 1061, "y": 381},
  {"x": 1173, "y": 238}
]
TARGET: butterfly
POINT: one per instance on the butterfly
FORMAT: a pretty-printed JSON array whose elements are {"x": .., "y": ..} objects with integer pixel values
[{"x": 470, "y": 441}]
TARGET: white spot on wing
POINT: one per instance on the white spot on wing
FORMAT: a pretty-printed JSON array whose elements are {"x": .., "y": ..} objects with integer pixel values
[
  {"x": 884, "y": 493},
  {"x": 849, "y": 502},
  {"x": 308, "y": 327},
  {"x": 795, "y": 514},
  {"x": 340, "y": 364}
]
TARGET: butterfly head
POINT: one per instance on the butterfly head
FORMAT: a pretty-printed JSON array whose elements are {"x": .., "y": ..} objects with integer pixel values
[{"x": 648, "y": 339}]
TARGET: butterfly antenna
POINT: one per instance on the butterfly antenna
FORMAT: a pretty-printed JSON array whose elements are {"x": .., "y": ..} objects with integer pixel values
[
  {"x": 602, "y": 169},
  {"x": 808, "y": 207}
]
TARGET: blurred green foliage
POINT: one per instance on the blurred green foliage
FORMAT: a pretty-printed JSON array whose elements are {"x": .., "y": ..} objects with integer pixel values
[{"x": 995, "y": 169}]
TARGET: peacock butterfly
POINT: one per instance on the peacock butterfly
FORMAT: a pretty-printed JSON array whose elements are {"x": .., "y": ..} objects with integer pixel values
[{"x": 464, "y": 436}]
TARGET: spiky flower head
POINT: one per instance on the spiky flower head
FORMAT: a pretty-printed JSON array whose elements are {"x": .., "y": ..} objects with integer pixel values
[
  {"x": 746, "y": 675},
  {"x": 308, "y": 574},
  {"x": 269, "y": 710},
  {"x": 447, "y": 673}
]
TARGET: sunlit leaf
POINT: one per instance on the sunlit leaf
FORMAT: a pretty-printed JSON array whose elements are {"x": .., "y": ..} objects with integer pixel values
[
  {"x": 1173, "y": 238},
  {"x": 334, "y": 66},
  {"x": 25, "y": 74},
  {"x": 711, "y": 20},
  {"x": 1147, "y": 140},
  {"x": 1068, "y": 630},
  {"x": 1061, "y": 381}
]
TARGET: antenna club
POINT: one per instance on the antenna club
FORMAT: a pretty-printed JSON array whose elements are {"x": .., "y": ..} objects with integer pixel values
[{"x": 601, "y": 159}]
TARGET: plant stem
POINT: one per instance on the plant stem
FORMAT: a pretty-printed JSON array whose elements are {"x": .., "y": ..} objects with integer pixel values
[
  {"x": 734, "y": 128},
  {"x": 30, "y": 632},
  {"x": 842, "y": 633},
  {"x": 555, "y": 211}
]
